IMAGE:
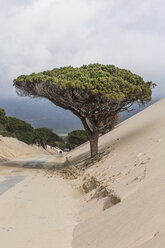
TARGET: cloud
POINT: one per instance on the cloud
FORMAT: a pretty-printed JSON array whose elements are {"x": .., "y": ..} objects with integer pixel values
[{"x": 43, "y": 34}]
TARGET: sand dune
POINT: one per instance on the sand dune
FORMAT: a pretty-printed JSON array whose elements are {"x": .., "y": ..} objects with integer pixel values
[
  {"x": 121, "y": 197},
  {"x": 11, "y": 148},
  {"x": 134, "y": 169}
]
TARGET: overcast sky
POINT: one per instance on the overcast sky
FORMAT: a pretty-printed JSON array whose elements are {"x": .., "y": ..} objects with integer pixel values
[{"x": 42, "y": 34}]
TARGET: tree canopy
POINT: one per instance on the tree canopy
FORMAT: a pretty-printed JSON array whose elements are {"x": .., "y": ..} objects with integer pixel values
[
  {"x": 46, "y": 136},
  {"x": 2, "y": 116},
  {"x": 95, "y": 93}
]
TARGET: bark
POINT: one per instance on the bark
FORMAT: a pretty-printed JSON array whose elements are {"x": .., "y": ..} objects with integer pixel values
[
  {"x": 93, "y": 140},
  {"x": 93, "y": 136},
  {"x": 43, "y": 145}
]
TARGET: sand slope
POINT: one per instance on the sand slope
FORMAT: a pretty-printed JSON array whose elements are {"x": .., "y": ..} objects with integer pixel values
[
  {"x": 11, "y": 148},
  {"x": 38, "y": 210},
  {"x": 135, "y": 169}
]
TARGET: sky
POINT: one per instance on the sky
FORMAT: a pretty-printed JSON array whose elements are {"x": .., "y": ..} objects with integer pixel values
[{"x": 39, "y": 35}]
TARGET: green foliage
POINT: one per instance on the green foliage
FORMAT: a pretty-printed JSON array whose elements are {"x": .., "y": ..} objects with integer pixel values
[
  {"x": 3, "y": 121},
  {"x": 107, "y": 81},
  {"x": 13, "y": 127},
  {"x": 95, "y": 93},
  {"x": 21, "y": 130},
  {"x": 46, "y": 136},
  {"x": 2, "y": 116},
  {"x": 76, "y": 138}
]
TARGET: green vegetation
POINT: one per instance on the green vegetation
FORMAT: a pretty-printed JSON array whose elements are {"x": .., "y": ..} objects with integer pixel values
[
  {"x": 2, "y": 116},
  {"x": 13, "y": 127},
  {"x": 76, "y": 138},
  {"x": 46, "y": 136},
  {"x": 21, "y": 130},
  {"x": 95, "y": 94},
  {"x": 3, "y": 121}
]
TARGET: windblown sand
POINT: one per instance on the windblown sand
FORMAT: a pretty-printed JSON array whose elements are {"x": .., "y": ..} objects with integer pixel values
[
  {"x": 135, "y": 169},
  {"x": 40, "y": 211}
]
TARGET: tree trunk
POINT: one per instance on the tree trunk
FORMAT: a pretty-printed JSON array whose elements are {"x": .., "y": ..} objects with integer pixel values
[
  {"x": 93, "y": 136},
  {"x": 93, "y": 140},
  {"x": 44, "y": 145}
]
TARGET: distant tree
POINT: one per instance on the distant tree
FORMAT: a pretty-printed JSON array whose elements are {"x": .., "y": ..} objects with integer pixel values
[
  {"x": 95, "y": 94},
  {"x": 13, "y": 127},
  {"x": 76, "y": 138},
  {"x": 42, "y": 136},
  {"x": 21, "y": 130},
  {"x": 46, "y": 136},
  {"x": 3, "y": 118}
]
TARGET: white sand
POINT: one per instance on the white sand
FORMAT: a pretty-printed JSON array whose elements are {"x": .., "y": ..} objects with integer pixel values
[
  {"x": 135, "y": 170},
  {"x": 38, "y": 212},
  {"x": 12, "y": 148}
]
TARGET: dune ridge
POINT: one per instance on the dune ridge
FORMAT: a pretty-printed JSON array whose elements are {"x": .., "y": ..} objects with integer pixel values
[{"x": 134, "y": 169}]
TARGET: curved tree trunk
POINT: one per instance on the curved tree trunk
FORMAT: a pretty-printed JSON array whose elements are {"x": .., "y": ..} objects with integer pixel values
[
  {"x": 93, "y": 140},
  {"x": 93, "y": 136}
]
